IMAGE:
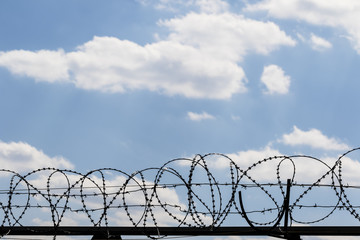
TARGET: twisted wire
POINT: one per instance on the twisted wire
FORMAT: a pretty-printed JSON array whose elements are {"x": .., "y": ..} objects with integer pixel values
[{"x": 175, "y": 194}]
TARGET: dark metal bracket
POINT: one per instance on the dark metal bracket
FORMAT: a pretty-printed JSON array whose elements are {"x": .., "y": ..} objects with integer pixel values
[
  {"x": 283, "y": 214},
  {"x": 104, "y": 237}
]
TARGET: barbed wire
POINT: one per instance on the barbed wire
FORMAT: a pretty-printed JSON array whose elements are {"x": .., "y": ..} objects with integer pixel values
[{"x": 184, "y": 192}]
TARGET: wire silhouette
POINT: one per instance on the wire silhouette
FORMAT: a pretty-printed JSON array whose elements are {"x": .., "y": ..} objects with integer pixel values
[{"x": 208, "y": 199}]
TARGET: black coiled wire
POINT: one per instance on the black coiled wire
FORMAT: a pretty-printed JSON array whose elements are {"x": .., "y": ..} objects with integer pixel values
[{"x": 184, "y": 192}]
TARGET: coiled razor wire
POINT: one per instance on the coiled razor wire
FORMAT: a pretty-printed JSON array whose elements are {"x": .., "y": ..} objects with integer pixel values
[{"x": 183, "y": 192}]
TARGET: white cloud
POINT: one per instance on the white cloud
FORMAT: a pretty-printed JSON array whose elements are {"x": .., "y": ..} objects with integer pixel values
[
  {"x": 245, "y": 158},
  {"x": 44, "y": 65},
  {"x": 275, "y": 80},
  {"x": 319, "y": 44},
  {"x": 110, "y": 64},
  {"x": 316, "y": 43},
  {"x": 313, "y": 138},
  {"x": 198, "y": 59},
  {"x": 350, "y": 171},
  {"x": 307, "y": 169},
  {"x": 267, "y": 170},
  {"x": 199, "y": 116},
  {"x": 21, "y": 157},
  {"x": 332, "y": 13},
  {"x": 227, "y": 36}
]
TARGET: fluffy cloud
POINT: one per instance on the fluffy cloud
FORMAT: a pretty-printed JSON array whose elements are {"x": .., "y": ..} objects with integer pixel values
[
  {"x": 44, "y": 65},
  {"x": 339, "y": 14},
  {"x": 319, "y": 44},
  {"x": 307, "y": 170},
  {"x": 21, "y": 157},
  {"x": 199, "y": 116},
  {"x": 246, "y": 158},
  {"x": 313, "y": 138},
  {"x": 198, "y": 59},
  {"x": 275, "y": 80},
  {"x": 111, "y": 65},
  {"x": 226, "y": 35}
]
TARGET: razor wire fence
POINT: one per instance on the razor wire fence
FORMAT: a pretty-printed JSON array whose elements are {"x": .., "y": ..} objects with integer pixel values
[{"x": 208, "y": 194}]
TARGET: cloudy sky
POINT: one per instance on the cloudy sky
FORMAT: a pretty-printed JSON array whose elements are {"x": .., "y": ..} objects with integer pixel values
[{"x": 134, "y": 83}]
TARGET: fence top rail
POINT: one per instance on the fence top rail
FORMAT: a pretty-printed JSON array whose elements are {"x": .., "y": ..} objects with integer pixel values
[{"x": 181, "y": 231}]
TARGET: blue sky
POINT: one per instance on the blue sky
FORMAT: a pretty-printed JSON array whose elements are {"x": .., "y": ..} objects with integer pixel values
[{"x": 133, "y": 84}]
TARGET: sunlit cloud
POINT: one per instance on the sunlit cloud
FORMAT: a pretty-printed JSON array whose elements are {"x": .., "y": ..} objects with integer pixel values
[
  {"x": 319, "y": 44},
  {"x": 313, "y": 138},
  {"x": 275, "y": 80},
  {"x": 22, "y": 157},
  {"x": 343, "y": 15},
  {"x": 199, "y": 57},
  {"x": 43, "y": 65}
]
